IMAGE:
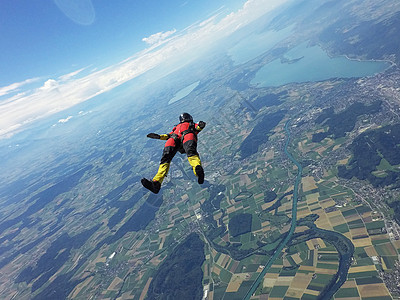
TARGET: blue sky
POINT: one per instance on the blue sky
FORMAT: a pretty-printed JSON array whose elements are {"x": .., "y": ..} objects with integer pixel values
[
  {"x": 40, "y": 39},
  {"x": 56, "y": 54}
]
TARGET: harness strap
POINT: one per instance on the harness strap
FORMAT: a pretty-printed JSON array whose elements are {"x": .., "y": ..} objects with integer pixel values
[
  {"x": 189, "y": 130},
  {"x": 174, "y": 136}
]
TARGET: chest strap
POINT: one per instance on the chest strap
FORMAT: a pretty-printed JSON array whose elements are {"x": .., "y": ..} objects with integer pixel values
[{"x": 189, "y": 130}]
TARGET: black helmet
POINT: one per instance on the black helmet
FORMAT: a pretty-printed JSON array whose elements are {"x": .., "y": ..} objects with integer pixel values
[{"x": 185, "y": 117}]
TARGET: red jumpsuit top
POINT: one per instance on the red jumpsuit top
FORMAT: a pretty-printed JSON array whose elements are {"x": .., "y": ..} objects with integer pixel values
[{"x": 185, "y": 131}]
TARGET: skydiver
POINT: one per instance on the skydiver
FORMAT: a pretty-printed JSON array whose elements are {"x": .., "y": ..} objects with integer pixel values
[{"x": 182, "y": 138}]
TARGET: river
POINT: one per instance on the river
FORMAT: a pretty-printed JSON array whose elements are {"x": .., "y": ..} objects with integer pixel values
[
  {"x": 293, "y": 222},
  {"x": 342, "y": 244}
]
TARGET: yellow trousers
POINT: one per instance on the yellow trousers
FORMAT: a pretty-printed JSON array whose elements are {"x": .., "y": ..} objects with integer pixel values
[
  {"x": 194, "y": 161},
  {"x": 163, "y": 168},
  {"x": 162, "y": 172}
]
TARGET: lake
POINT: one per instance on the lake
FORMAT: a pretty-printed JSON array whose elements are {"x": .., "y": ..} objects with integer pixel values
[
  {"x": 184, "y": 92},
  {"x": 302, "y": 64}
]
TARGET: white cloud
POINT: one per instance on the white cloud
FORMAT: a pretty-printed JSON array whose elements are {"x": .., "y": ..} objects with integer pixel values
[
  {"x": 159, "y": 37},
  {"x": 15, "y": 86},
  {"x": 49, "y": 84},
  {"x": 71, "y": 75},
  {"x": 66, "y": 91},
  {"x": 65, "y": 120}
]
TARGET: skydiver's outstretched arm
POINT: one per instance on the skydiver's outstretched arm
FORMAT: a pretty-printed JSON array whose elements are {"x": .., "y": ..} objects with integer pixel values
[{"x": 158, "y": 136}]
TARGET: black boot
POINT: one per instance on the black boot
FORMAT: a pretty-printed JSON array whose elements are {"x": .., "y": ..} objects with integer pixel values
[
  {"x": 153, "y": 186},
  {"x": 200, "y": 174}
]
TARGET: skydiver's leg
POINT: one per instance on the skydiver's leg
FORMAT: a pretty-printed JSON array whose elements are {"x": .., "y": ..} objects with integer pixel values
[
  {"x": 166, "y": 158},
  {"x": 168, "y": 153},
  {"x": 190, "y": 147}
]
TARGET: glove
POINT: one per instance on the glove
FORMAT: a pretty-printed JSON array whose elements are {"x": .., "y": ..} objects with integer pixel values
[
  {"x": 153, "y": 136},
  {"x": 164, "y": 136},
  {"x": 202, "y": 124}
]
